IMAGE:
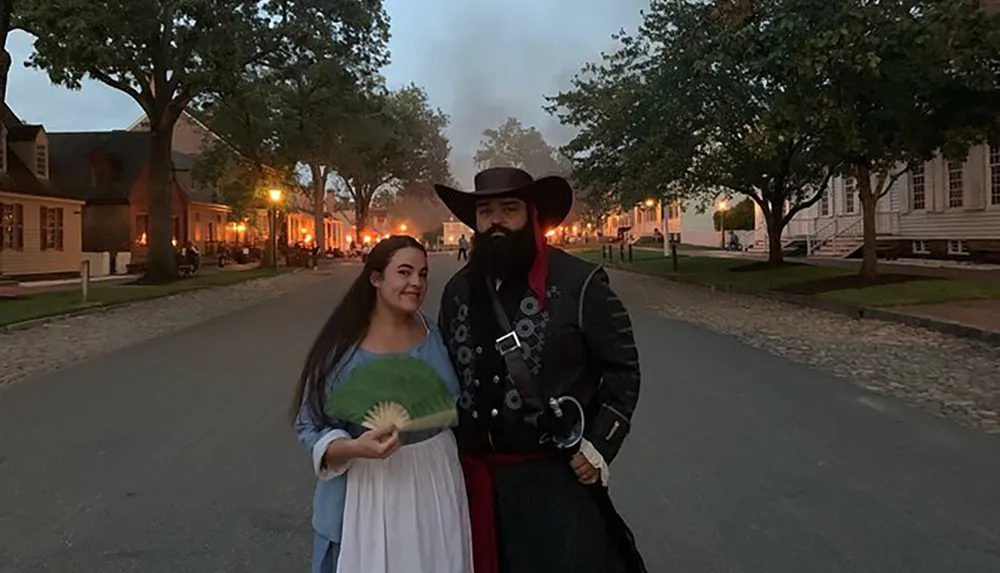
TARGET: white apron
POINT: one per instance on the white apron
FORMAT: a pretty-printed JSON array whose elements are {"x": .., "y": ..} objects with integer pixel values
[{"x": 408, "y": 513}]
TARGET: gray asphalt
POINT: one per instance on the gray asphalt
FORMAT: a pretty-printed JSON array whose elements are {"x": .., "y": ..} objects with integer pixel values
[{"x": 174, "y": 455}]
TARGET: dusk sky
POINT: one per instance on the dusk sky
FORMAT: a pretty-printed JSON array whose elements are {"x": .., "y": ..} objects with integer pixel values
[{"x": 479, "y": 60}]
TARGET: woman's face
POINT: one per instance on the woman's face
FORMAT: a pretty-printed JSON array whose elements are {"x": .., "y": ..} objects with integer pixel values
[{"x": 403, "y": 285}]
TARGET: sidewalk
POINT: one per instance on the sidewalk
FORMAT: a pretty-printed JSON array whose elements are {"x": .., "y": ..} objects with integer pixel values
[
  {"x": 957, "y": 299},
  {"x": 980, "y": 314},
  {"x": 921, "y": 267},
  {"x": 28, "y": 288}
]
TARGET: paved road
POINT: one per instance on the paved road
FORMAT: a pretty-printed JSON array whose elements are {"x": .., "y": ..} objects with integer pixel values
[{"x": 173, "y": 455}]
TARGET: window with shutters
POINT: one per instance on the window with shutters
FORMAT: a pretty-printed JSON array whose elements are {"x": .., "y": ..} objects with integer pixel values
[
  {"x": 824, "y": 204},
  {"x": 850, "y": 196},
  {"x": 52, "y": 228},
  {"x": 956, "y": 184},
  {"x": 42, "y": 160},
  {"x": 918, "y": 190},
  {"x": 11, "y": 226}
]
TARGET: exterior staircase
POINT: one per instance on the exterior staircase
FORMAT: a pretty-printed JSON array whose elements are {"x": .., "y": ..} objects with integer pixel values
[
  {"x": 835, "y": 241},
  {"x": 839, "y": 247}
]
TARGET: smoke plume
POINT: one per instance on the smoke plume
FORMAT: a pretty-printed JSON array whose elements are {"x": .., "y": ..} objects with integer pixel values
[{"x": 483, "y": 61}]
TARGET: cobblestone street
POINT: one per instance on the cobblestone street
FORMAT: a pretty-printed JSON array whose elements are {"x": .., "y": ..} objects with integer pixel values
[{"x": 62, "y": 341}]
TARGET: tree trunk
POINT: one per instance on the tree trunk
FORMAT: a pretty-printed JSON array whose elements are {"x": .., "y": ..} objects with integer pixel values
[
  {"x": 161, "y": 265},
  {"x": 360, "y": 221},
  {"x": 869, "y": 204},
  {"x": 319, "y": 205},
  {"x": 775, "y": 254}
]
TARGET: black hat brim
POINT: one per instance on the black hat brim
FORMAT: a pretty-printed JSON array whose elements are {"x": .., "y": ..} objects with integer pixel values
[{"x": 552, "y": 197}]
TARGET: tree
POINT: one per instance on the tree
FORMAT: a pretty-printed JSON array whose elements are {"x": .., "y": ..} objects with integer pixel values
[
  {"x": 398, "y": 143},
  {"x": 896, "y": 81},
  {"x": 693, "y": 105},
  {"x": 167, "y": 53},
  {"x": 513, "y": 145},
  {"x": 320, "y": 101},
  {"x": 246, "y": 163},
  {"x": 739, "y": 218}
]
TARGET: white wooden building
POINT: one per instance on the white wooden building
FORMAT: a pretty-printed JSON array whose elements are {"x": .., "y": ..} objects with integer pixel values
[
  {"x": 644, "y": 219},
  {"x": 949, "y": 209}
]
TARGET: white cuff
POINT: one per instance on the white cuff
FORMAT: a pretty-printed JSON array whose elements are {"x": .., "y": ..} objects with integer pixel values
[
  {"x": 596, "y": 459},
  {"x": 319, "y": 450}
]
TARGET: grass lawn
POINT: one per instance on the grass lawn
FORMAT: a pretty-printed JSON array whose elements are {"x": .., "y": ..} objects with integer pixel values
[
  {"x": 828, "y": 283},
  {"x": 917, "y": 292},
  {"x": 61, "y": 302},
  {"x": 717, "y": 270}
]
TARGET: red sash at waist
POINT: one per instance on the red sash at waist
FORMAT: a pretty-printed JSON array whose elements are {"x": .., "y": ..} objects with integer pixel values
[{"x": 478, "y": 470}]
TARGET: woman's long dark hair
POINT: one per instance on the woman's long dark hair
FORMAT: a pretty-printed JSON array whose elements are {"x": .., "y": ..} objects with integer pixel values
[{"x": 346, "y": 327}]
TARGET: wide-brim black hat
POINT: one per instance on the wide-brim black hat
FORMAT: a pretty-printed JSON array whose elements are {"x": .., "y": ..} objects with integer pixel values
[{"x": 552, "y": 196}]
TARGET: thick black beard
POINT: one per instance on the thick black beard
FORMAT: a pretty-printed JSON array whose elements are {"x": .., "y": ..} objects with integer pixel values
[{"x": 505, "y": 256}]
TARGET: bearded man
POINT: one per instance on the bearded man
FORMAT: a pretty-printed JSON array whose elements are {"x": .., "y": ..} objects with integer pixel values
[{"x": 550, "y": 379}]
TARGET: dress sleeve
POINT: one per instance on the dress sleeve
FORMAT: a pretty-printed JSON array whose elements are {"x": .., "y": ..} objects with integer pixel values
[{"x": 315, "y": 435}]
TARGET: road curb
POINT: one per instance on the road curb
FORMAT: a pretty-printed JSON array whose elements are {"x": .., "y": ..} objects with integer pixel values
[
  {"x": 96, "y": 308},
  {"x": 991, "y": 337}
]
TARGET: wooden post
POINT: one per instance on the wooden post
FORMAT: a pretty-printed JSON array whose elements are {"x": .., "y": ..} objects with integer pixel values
[
  {"x": 673, "y": 254},
  {"x": 630, "y": 252},
  {"x": 85, "y": 280}
]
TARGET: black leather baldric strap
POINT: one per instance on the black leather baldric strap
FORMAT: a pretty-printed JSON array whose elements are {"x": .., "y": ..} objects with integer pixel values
[{"x": 509, "y": 347}]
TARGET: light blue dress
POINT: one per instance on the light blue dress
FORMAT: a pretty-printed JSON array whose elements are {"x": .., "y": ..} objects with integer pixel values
[{"x": 315, "y": 435}]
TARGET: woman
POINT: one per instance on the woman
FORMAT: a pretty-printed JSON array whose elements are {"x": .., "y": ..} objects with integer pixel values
[{"x": 385, "y": 502}]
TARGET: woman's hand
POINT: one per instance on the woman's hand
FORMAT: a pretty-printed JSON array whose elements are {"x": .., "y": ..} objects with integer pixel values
[
  {"x": 372, "y": 445},
  {"x": 376, "y": 444}
]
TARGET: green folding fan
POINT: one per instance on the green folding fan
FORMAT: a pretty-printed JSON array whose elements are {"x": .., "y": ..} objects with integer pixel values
[{"x": 403, "y": 392}]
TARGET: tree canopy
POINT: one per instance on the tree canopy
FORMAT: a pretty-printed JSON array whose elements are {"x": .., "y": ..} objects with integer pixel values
[
  {"x": 895, "y": 82},
  {"x": 398, "y": 144},
  {"x": 771, "y": 99},
  {"x": 513, "y": 145},
  {"x": 166, "y": 54}
]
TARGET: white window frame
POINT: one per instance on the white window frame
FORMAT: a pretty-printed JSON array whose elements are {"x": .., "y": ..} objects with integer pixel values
[
  {"x": 850, "y": 196},
  {"x": 958, "y": 248},
  {"x": 922, "y": 175},
  {"x": 920, "y": 247},
  {"x": 993, "y": 172},
  {"x": 952, "y": 168}
]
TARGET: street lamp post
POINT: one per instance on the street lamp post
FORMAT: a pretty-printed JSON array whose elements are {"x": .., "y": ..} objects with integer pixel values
[
  {"x": 275, "y": 196},
  {"x": 722, "y": 221}
]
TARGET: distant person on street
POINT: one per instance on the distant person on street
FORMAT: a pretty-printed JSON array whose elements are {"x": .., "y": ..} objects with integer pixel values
[
  {"x": 385, "y": 501},
  {"x": 463, "y": 248},
  {"x": 550, "y": 379}
]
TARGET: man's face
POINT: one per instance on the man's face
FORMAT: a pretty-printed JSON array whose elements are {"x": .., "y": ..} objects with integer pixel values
[
  {"x": 504, "y": 245},
  {"x": 509, "y": 213}
]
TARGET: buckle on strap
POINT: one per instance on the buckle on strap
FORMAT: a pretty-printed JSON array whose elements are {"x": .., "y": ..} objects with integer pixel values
[{"x": 508, "y": 343}]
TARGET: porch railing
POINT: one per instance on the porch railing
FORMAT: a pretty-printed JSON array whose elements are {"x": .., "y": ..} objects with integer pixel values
[{"x": 836, "y": 228}]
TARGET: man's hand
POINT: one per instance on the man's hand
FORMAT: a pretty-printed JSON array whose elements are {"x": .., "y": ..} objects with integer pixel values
[{"x": 585, "y": 472}]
